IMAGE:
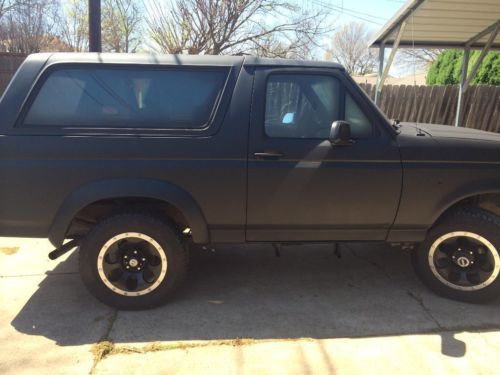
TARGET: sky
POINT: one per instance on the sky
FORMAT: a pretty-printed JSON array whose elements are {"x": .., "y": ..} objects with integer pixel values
[{"x": 373, "y": 13}]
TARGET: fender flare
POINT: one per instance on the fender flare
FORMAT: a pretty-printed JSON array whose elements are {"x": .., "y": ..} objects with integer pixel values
[
  {"x": 128, "y": 187},
  {"x": 486, "y": 186}
]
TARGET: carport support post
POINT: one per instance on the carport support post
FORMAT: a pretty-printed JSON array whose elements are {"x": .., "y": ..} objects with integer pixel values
[
  {"x": 383, "y": 72},
  {"x": 466, "y": 79},
  {"x": 461, "y": 88},
  {"x": 381, "y": 56}
]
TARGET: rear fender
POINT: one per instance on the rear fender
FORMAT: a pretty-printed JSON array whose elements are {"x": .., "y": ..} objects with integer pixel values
[{"x": 126, "y": 187}]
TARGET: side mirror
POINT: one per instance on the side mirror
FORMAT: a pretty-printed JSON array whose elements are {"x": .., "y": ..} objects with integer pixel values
[{"x": 340, "y": 134}]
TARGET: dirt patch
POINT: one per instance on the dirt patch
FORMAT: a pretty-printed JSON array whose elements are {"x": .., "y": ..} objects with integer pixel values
[{"x": 9, "y": 250}]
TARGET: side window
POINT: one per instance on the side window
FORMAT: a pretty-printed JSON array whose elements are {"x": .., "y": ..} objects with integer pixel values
[
  {"x": 301, "y": 106},
  {"x": 128, "y": 98},
  {"x": 361, "y": 127}
]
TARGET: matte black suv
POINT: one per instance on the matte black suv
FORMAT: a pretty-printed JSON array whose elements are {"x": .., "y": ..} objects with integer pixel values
[{"x": 132, "y": 158}]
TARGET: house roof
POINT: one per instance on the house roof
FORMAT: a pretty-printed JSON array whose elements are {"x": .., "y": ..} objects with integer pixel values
[{"x": 443, "y": 24}]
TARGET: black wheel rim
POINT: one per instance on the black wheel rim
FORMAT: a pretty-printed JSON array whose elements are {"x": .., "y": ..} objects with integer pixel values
[
  {"x": 464, "y": 261},
  {"x": 132, "y": 264}
]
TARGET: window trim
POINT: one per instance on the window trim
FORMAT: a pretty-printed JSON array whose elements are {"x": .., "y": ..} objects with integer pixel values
[{"x": 209, "y": 128}]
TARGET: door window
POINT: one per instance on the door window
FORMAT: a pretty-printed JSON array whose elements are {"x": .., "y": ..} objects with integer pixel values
[
  {"x": 301, "y": 106},
  {"x": 361, "y": 127}
]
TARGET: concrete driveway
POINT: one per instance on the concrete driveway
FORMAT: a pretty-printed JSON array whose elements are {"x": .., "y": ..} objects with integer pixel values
[{"x": 244, "y": 310}]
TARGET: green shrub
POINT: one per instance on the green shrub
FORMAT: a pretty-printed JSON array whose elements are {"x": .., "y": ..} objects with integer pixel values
[{"x": 447, "y": 68}]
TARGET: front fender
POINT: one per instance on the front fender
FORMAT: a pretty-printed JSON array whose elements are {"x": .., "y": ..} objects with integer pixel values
[
  {"x": 128, "y": 187},
  {"x": 475, "y": 188}
]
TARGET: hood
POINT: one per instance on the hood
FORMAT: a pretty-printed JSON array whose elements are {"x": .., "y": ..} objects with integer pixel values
[{"x": 447, "y": 131}]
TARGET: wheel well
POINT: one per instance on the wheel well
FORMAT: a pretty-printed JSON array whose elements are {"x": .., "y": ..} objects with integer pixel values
[
  {"x": 489, "y": 202},
  {"x": 91, "y": 214}
]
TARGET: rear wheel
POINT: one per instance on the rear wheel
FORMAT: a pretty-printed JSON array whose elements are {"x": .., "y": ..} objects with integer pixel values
[
  {"x": 132, "y": 261},
  {"x": 460, "y": 258}
]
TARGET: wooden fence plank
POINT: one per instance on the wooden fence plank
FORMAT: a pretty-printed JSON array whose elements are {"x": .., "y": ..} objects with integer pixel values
[{"x": 437, "y": 104}]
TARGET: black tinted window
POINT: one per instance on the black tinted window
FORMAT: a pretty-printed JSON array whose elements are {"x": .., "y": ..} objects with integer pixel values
[
  {"x": 111, "y": 97},
  {"x": 361, "y": 126},
  {"x": 301, "y": 106}
]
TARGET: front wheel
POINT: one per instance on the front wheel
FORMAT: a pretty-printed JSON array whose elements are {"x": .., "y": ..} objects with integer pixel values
[
  {"x": 460, "y": 257},
  {"x": 132, "y": 261}
]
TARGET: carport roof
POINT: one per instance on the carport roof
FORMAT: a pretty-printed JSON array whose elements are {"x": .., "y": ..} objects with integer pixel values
[{"x": 443, "y": 24}]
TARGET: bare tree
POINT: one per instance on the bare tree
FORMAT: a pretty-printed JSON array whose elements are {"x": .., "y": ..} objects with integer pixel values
[
  {"x": 271, "y": 27},
  {"x": 121, "y": 25},
  {"x": 74, "y": 27},
  {"x": 350, "y": 48},
  {"x": 421, "y": 58},
  {"x": 7, "y": 5},
  {"x": 28, "y": 26}
]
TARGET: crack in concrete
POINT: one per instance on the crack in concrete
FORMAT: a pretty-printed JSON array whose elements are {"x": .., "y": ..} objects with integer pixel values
[
  {"x": 427, "y": 311},
  {"x": 112, "y": 349},
  {"x": 105, "y": 345},
  {"x": 409, "y": 292}
]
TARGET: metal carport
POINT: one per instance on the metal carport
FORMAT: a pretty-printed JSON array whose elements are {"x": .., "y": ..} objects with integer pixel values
[{"x": 460, "y": 24}]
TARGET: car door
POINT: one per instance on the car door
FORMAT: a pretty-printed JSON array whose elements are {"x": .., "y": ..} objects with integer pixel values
[{"x": 300, "y": 187}]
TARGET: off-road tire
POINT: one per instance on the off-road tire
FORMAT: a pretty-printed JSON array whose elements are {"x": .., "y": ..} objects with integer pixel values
[
  {"x": 161, "y": 231},
  {"x": 467, "y": 219}
]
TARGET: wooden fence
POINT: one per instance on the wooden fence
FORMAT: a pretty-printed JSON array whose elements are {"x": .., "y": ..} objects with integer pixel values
[
  {"x": 428, "y": 104},
  {"x": 438, "y": 104},
  {"x": 9, "y": 62}
]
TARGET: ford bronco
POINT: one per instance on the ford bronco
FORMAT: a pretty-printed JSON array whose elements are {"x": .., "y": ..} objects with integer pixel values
[{"x": 133, "y": 158}]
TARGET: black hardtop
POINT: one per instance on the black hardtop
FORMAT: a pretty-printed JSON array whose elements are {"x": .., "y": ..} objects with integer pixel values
[{"x": 159, "y": 59}]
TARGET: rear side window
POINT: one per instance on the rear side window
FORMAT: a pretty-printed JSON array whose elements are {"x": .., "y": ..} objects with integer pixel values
[{"x": 128, "y": 98}]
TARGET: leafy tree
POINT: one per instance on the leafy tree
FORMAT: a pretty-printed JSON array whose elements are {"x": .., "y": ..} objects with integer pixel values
[
  {"x": 489, "y": 71},
  {"x": 447, "y": 68}
]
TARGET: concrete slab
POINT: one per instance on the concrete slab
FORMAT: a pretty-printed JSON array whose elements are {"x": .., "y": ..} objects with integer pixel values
[
  {"x": 49, "y": 321},
  {"x": 415, "y": 354},
  {"x": 247, "y": 292},
  {"x": 29, "y": 256}
]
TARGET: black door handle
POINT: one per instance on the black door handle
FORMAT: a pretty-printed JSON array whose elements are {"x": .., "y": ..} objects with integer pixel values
[{"x": 270, "y": 155}]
